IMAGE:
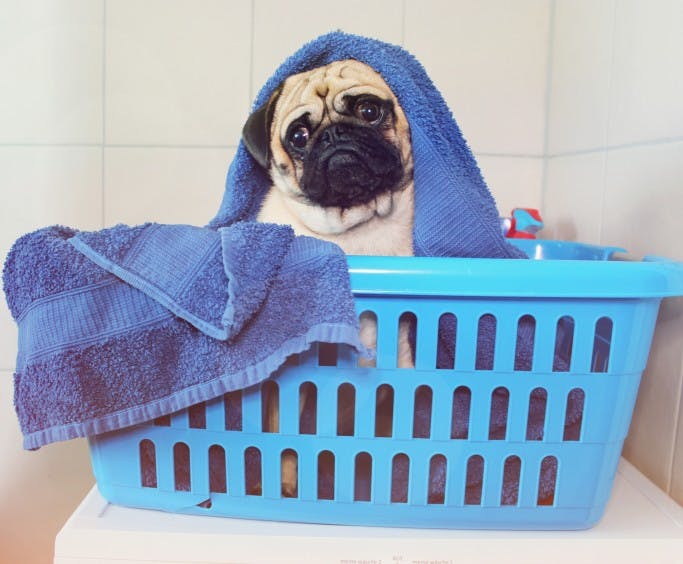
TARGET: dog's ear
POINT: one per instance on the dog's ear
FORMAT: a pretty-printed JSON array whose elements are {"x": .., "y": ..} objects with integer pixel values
[{"x": 256, "y": 132}]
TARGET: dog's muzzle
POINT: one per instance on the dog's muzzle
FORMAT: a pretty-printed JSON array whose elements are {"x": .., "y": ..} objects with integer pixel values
[{"x": 349, "y": 165}]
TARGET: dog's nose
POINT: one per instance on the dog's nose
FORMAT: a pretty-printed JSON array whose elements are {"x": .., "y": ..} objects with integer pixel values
[{"x": 334, "y": 133}]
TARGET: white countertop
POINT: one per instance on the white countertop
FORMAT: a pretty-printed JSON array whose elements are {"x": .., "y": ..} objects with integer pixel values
[{"x": 641, "y": 525}]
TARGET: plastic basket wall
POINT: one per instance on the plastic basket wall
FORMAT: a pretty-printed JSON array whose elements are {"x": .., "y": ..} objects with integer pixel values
[{"x": 472, "y": 445}]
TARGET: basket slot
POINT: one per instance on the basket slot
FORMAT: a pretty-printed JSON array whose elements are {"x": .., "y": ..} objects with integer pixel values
[
  {"x": 163, "y": 421},
  {"x": 498, "y": 414},
  {"x": 573, "y": 421},
  {"x": 368, "y": 335},
  {"x": 362, "y": 490},
  {"x": 535, "y": 421},
  {"x": 602, "y": 345},
  {"x": 232, "y": 404},
  {"x": 289, "y": 461},
  {"x": 308, "y": 408},
  {"x": 422, "y": 412},
  {"x": 270, "y": 407},
  {"x": 474, "y": 480},
  {"x": 181, "y": 467},
  {"x": 438, "y": 472},
  {"x": 197, "y": 416},
  {"x": 524, "y": 346},
  {"x": 148, "y": 464},
  {"x": 408, "y": 340},
  {"x": 511, "y": 475},
  {"x": 486, "y": 342},
  {"x": 253, "y": 472},
  {"x": 400, "y": 478},
  {"x": 460, "y": 413},
  {"x": 346, "y": 410},
  {"x": 326, "y": 475},
  {"x": 384, "y": 411},
  {"x": 218, "y": 478},
  {"x": 547, "y": 481},
  {"x": 564, "y": 344},
  {"x": 327, "y": 354},
  {"x": 445, "y": 349}
]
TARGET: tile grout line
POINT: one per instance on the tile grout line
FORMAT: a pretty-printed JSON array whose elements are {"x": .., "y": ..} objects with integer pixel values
[{"x": 548, "y": 98}]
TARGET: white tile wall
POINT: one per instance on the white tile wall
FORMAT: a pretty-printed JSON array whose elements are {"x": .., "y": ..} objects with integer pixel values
[
  {"x": 615, "y": 174},
  {"x": 646, "y": 93},
  {"x": 280, "y": 28},
  {"x": 126, "y": 111},
  {"x": 51, "y": 69},
  {"x": 515, "y": 182},
  {"x": 489, "y": 59},
  {"x": 572, "y": 208},
  {"x": 164, "y": 184},
  {"x": 177, "y": 73},
  {"x": 580, "y": 77}
]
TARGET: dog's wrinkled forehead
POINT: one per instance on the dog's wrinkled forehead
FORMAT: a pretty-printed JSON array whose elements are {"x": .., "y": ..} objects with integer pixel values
[{"x": 324, "y": 91}]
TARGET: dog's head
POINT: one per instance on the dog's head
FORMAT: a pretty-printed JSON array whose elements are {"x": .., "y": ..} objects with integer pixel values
[{"x": 334, "y": 138}]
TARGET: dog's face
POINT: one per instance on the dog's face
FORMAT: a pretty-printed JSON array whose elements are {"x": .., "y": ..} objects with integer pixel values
[{"x": 336, "y": 144}]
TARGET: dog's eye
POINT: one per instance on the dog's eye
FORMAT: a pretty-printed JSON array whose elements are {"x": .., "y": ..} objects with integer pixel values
[
  {"x": 298, "y": 136},
  {"x": 368, "y": 110}
]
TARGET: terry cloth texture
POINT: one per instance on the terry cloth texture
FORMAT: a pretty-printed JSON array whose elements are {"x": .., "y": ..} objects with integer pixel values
[
  {"x": 124, "y": 325},
  {"x": 455, "y": 214}
]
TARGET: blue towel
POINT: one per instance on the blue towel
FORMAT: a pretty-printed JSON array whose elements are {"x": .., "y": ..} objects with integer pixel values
[
  {"x": 124, "y": 325},
  {"x": 455, "y": 214}
]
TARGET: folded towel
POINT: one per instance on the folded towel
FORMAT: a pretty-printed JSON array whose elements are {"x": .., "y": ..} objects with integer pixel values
[{"x": 124, "y": 325}]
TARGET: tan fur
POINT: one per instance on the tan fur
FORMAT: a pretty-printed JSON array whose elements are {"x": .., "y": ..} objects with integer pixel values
[
  {"x": 383, "y": 226},
  {"x": 380, "y": 227}
]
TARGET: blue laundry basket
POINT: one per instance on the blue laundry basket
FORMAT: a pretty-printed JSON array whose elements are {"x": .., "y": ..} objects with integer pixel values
[{"x": 449, "y": 446}]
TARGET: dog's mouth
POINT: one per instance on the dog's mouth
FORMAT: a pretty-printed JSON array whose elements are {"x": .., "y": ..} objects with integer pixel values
[{"x": 350, "y": 166}]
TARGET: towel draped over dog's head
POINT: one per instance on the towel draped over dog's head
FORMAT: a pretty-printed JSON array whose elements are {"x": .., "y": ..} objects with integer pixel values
[{"x": 455, "y": 214}]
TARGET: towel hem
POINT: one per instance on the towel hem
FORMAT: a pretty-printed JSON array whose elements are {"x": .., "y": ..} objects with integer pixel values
[{"x": 249, "y": 376}]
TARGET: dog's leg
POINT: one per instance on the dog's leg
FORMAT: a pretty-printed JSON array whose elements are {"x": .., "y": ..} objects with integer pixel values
[
  {"x": 368, "y": 336},
  {"x": 405, "y": 351}
]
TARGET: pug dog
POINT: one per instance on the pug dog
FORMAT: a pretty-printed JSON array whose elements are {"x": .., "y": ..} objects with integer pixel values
[{"x": 336, "y": 144}]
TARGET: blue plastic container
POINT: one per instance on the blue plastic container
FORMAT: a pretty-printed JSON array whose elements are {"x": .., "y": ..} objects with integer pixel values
[{"x": 470, "y": 469}]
